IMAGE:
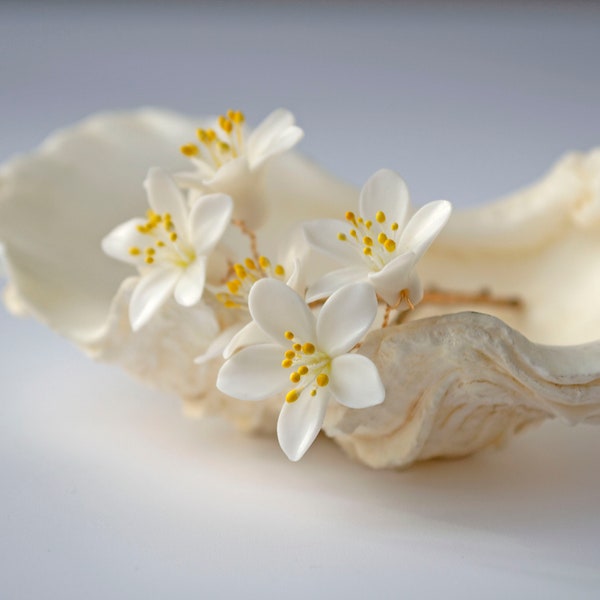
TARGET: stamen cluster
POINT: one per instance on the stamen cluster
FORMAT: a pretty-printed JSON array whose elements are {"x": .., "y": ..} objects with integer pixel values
[
  {"x": 217, "y": 147},
  {"x": 310, "y": 363},
  {"x": 247, "y": 275},
  {"x": 164, "y": 241},
  {"x": 375, "y": 241}
]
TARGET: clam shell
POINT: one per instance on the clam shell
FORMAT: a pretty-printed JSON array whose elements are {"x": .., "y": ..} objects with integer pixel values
[
  {"x": 456, "y": 381},
  {"x": 460, "y": 383}
]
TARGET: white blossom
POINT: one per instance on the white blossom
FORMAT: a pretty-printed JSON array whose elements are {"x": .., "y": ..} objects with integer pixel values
[
  {"x": 170, "y": 248},
  {"x": 381, "y": 245},
  {"x": 228, "y": 159},
  {"x": 307, "y": 354}
]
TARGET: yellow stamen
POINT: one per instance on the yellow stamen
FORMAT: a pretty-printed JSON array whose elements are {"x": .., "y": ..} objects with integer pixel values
[
  {"x": 149, "y": 260},
  {"x": 380, "y": 217},
  {"x": 237, "y": 116},
  {"x": 286, "y": 363},
  {"x": 173, "y": 237},
  {"x": 190, "y": 150},
  {"x": 390, "y": 245},
  {"x": 134, "y": 251},
  {"x": 322, "y": 380},
  {"x": 225, "y": 124},
  {"x": 290, "y": 354},
  {"x": 394, "y": 226},
  {"x": 296, "y": 347},
  {"x": 289, "y": 336},
  {"x": 294, "y": 377},
  {"x": 367, "y": 241},
  {"x": 313, "y": 393},
  {"x": 160, "y": 244},
  {"x": 250, "y": 264},
  {"x": 308, "y": 348},
  {"x": 279, "y": 271},
  {"x": 381, "y": 238},
  {"x": 264, "y": 262},
  {"x": 367, "y": 251},
  {"x": 342, "y": 237},
  {"x": 240, "y": 271},
  {"x": 353, "y": 233},
  {"x": 303, "y": 370},
  {"x": 368, "y": 224},
  {"x": 291, "y": 396},
  {"x": 234, "y": 286}
]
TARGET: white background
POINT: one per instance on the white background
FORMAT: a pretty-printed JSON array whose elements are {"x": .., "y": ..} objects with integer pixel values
[{"x": 107, "y": 491}]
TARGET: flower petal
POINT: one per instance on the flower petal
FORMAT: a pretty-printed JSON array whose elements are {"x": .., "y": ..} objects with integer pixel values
[
  {"x": 164, "y": 197},
  {"x": 191, "y": 180},
  {"x": 355, "y": 382},
  {"x": 209, "y": 218},
  {"x": 152, "y": 291},
  {"x": 254, "y": 373},
  {"x": 216, "y": 347},
  {"x": 394, "y": 277},
  {"x": 268, "y": 131},
  {"x": 249, "y": 335},
  {"x": 286, "y": 140},
  {"x": 331, "y": 282},
  {"x": 345, "y": 318},
  {"x": 385, "y": 191},
  {"x": 415, "y": 291},
  {"x": 323, "y": 235},
  {"x": 299, "y": 422},
  {"x": 424, "y": 226},
  {"x": 121, "y": 239},
  {"x": 190, "y": 286},
  {"x": 277, "y": 309}
]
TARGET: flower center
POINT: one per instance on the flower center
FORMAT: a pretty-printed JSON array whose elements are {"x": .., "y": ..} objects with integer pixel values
[
  {"x": 221, "y": 145},
  {"x": 164, "y": 242},
  {"x": 375, "y": 242},
  {"x": 247, "y": 275},
  {"x": 311, "y": 367}
]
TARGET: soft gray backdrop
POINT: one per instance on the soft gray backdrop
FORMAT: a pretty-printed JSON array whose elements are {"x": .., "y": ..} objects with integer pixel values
[{"x": 108, "y": 492}]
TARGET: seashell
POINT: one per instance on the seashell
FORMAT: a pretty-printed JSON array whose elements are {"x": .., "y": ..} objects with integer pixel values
[
  {"x": 461, "y": 382},
  {"x": 457, "y": 380}
]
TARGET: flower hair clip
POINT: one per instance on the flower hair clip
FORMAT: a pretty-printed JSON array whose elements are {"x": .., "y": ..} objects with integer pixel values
[{"x": 241, "y": 276}]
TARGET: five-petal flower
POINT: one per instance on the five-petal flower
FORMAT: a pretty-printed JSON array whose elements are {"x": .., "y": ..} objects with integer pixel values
[
  {"x": 380, "y": 245},
  {"x": 307, "y": 354},
  {"x": 170, "y": 247}
]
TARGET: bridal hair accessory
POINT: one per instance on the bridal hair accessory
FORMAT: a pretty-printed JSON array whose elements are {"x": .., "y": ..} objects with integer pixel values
[{"x": 213, "y": 261}]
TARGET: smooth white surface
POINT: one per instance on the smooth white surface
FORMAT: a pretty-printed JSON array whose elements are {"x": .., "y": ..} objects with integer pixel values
[{"x": 109, "y": 492}]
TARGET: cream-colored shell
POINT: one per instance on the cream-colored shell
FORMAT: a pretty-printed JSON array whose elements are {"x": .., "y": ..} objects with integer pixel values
[
  {"x": 455, "y": 383},
  {"x": 459, "y": 383}
]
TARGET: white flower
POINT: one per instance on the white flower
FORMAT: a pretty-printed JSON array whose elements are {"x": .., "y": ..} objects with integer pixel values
[
  {"x": 380, "y": 245},
  {"x": 170, "y": 248},
  {"x": 226, "y": 160},
  {"x": 308, "y": 354}
]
